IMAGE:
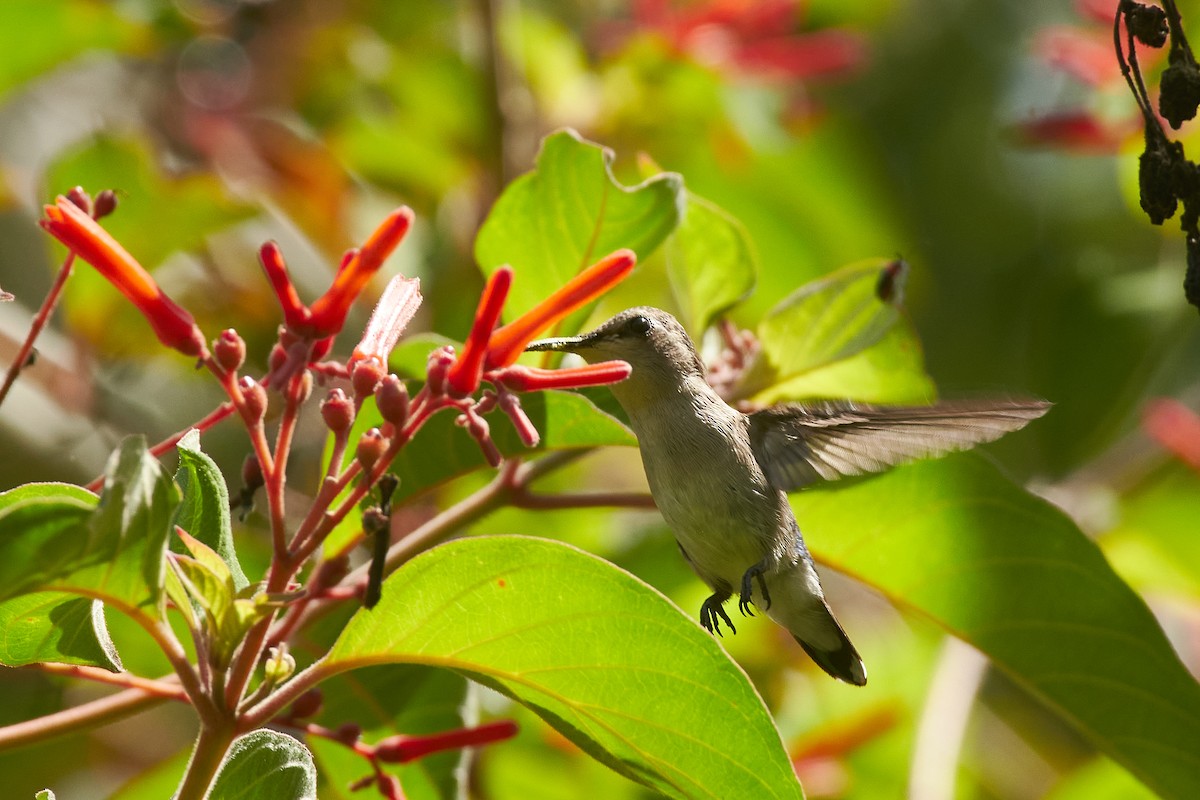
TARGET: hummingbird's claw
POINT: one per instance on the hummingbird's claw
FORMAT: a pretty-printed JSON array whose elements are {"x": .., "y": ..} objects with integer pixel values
[
  {"x": 711, "y": 614},
  {"x": 747, "y": 595}
]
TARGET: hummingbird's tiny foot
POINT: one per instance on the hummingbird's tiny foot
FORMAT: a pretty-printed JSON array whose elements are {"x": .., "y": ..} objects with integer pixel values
[
  {"x": 747, "y": 595},
  {"x": 712, "y": 612}
]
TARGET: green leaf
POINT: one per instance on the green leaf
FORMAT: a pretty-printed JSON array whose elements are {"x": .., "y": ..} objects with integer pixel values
[
  {"x": 387, "y": 700},
  {"x": 57, "y": 627},
  {"x": 204, "y": 510},
  {"x": 266, "y": 765},
  {"x": 891, "y": 371},
  {"x": 823, "y": 322},
  {"x": 599, "y": 655},
  {"x": 55, "y": 537},
  {"x": 710, "y": 263},
  {"x": 44, "y": 794},
  {"x": 43, "y": 33},
  {"x": 1013, "y": 576},
  {"x": 568, "y": 213},
  {"x": 442, "y": 451},
  {"x": 209, "y": 591}
]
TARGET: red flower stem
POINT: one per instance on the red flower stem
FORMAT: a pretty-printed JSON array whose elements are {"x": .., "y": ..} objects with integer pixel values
[{"x": 39, "y": 322}]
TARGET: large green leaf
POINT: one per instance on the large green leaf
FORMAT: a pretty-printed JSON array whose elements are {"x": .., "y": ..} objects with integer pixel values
[
  {"x": 710, "y": 263},
  {"x": 892, "y": 371},
  {"x": 57, "y": 538},
  {"x": 389, "y": 700},
  {"x": 552, "y": 222},
  {"x": 1012, "y": 575},
  {"x": 57, "y": 627},
  {"x": 266, "y": 765},
  {"x": 826, "y": 321},
  {"x": 204, "y": 509},
  {"x": 598, "y": 654}
]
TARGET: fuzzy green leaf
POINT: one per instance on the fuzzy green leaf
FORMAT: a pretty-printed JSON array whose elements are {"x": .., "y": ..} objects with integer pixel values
[
  {"x": 266, "y": 765},
  {"x": 55, "y": 627},
  {"x": 58, "y": 538},
  {"x": 204, "y": 510}
]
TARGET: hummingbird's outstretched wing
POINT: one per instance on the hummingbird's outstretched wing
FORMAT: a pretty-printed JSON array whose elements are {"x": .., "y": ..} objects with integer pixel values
[{"x": 798, "y": 444}]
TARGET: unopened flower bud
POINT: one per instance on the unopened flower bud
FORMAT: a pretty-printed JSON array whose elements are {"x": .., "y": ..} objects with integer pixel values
[
  {"x": 279, "y": 665},
  {"x": 254, "y": 398},
  {"x": 365, "y": 376},
  {"x": 105, "y": 204},
  {"x": 337, "y": 411},
  {"x": 277, "y": 358},
  {"x": 478, "y": 427},
  {"x": 370, "y": 448},
  {"x": 81, "y": 199},
  {"x": 436, "y": 369},
  {"x": 348, "y": 732},
  {"x": 252, "y": 477},
  {"x": 392, "y": 400},
  {"x": 229, "y": 350},
  {"x": 306, "y": 705},
  {"x": 300, "y": 388}
]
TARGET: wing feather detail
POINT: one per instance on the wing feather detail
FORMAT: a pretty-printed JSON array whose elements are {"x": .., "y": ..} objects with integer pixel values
[{"x": 798, "y": 444}]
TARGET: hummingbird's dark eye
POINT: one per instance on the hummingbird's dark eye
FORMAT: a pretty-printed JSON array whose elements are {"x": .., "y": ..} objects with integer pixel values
[{"x": 639, "y": 325}]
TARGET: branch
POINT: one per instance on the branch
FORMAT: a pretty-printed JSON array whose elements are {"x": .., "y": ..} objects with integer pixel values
[
  {"x": 167, "y": 689},
  {"x": 39, "y": 322},
  {"x": 80, "y": 718}
]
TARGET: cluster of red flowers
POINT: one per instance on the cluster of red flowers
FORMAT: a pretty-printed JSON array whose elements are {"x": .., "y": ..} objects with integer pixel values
[{"x": 489, "y": 354}]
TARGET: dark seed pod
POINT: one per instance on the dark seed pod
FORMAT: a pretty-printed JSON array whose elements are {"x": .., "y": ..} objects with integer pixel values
[
  {"x": 1148, "y": 24},
  {"x": 1179, "y": 90},
  {"x": 1157, "y": 168},
  {"x": 1191, "y": 278}
]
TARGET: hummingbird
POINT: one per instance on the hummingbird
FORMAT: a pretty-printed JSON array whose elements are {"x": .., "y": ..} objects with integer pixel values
[{"x": 720, "y": 477}]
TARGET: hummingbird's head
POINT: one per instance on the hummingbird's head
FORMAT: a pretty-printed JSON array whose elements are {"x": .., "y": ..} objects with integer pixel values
[{"x": 648, "y": 339}]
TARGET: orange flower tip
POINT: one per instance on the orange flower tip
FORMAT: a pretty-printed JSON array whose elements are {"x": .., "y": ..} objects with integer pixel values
[{"x": 389, "y": 232}]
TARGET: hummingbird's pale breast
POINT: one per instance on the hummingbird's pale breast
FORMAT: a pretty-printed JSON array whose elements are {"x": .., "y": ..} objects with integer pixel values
[{"x": 708, "y": 486}]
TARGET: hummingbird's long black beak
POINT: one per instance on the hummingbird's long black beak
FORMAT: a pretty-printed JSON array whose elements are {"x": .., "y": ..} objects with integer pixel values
[{"x": 560, "y": 344}]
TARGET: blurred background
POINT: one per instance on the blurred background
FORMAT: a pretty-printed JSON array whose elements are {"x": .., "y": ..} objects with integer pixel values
[{"x": 991, "y": 144}]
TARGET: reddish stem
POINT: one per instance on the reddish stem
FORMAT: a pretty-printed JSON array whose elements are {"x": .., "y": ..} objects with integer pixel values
[{"x": 39, "y": 322}]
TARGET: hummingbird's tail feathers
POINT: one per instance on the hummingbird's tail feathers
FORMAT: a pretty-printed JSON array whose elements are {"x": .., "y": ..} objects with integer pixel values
[
  {"x": 798, "y": 604},
  {"x": 842, "y": 663},
  {"x": 800, "y": 444}
]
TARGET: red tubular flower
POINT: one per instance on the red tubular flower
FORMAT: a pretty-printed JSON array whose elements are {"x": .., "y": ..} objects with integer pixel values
[
  {"x": 402, "y": 749},
  {"x": 173, "y": 325},
  {"x": 465, "y": 373},
  {"x": 295, "y": 314},
  {"x": 507, "y": 343},
  {"x": 531, "y": 379},
  {"x": 330, "y": 309}
]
